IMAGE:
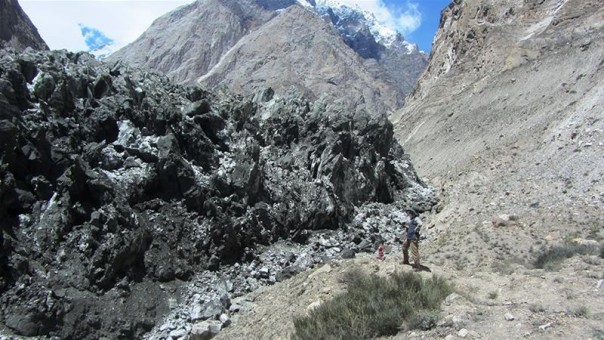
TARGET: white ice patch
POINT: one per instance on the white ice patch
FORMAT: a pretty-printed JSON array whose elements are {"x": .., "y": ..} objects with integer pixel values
[
  {"x": 130, "y": 136},
  {"x": 268, "y": 109},
  {"x": 128, "y": 179},
  {"x": 147, "y": 144},
  {"x": 35, "y": 81},
  {"x": 226, "y": 165},
  {"x": 201, "y": 179},
  {"x": 24, "y": 219},
  {"x": 127, "y": 134},
  {"x": 49, "y": 205}
]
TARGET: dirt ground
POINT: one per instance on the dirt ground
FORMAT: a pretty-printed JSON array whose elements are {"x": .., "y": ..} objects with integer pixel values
[{"x": 515, "y": 303}]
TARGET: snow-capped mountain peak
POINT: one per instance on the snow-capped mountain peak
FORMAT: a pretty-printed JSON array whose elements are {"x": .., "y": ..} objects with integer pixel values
[{"x": 382, "y": 34}]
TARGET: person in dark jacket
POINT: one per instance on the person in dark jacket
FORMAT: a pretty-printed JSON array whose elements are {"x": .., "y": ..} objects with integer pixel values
[{"x": 412, "y": 241}]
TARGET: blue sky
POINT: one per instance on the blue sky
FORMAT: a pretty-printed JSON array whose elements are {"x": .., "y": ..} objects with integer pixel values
[
  {"x": 80, "y": 25},
  {"x": 93, "y": 38},
  {"x": 83, "y": 25},
  {"x": 429, "y": 11},
  {"x": 417, "y": 20}
]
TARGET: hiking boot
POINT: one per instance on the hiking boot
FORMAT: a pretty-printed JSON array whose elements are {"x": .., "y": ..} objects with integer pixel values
[{"x": 405, "y": 262}]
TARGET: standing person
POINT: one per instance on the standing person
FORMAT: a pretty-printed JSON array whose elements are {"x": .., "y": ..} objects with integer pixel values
[{"x": 412, "y": 241}]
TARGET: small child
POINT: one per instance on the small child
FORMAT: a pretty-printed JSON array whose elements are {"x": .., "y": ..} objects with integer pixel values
[{"x": 380, "y": 254}]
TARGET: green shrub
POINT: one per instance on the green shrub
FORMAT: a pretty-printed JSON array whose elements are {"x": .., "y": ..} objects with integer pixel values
[
  {"x": 579, "y": 311},
  {"x": 504, "y": 267},
  {"x": 375, "y": 306},
  {"x": 536, "y": 308},
  {"x": 554, "y": 255}
]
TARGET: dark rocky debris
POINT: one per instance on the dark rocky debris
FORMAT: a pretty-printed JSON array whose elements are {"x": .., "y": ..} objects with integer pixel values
[{"x": 122, "y": 194}]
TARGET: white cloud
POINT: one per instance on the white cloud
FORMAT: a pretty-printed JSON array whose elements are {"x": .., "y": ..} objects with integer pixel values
[
  {"x": 120, "y": 20},
  {"x": 410, "y": 19}
]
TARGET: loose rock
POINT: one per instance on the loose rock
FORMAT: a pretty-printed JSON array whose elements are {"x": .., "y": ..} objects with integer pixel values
[
  {"x": 463, "y": 333},
  {"x": 116, "y": 180}
]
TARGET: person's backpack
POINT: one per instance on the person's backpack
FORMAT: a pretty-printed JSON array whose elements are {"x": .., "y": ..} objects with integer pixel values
[{"x": 412, "y": 230}]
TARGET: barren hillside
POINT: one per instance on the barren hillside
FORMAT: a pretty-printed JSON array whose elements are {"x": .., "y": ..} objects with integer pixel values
[{"x": 508, "y": 120}]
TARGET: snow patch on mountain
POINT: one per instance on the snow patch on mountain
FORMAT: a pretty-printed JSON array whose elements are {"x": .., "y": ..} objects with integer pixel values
[
  {"x": 104, "y": 51},
  {"x": 383, "y": 34}
]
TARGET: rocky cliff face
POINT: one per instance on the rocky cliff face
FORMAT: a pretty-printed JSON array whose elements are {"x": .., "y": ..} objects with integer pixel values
[
  {"x": 306, "y": 55},
  {"x": 186, "y": 43},
  {"x": 228, "y": 43},
  {"x": 16, "y": 30},
  {"x": 123, "y": 194},
  {"x": 399, "y": 62},
  {"x": 507, "y": 120}
]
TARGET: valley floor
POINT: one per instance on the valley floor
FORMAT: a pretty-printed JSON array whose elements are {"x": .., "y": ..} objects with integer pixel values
[{"x": 512, "y": 302}]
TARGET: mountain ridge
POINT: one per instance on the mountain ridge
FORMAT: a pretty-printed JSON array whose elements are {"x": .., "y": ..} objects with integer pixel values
[
  {"x": 246, "y": 67},
  {"x": 195, "y": 54}
]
